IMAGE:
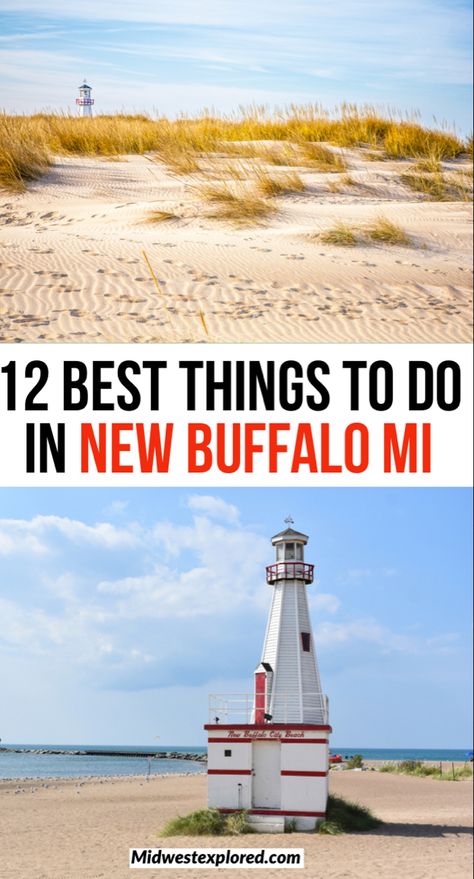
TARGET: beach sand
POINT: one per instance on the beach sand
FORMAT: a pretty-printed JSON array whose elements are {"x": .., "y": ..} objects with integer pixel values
[
  {"x": 82, "y": 829},
  {"x": 73, "y": 265}
]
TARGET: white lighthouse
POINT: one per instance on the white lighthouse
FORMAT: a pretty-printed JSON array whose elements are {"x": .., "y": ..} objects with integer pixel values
[
  {"x": 84, "y": 101},
  {"x": 268, "y": 752}
]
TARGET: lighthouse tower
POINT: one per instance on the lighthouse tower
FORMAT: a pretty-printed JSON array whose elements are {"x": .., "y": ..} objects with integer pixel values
[
  {"x": 84, "y": 101},
  {"x": 268, "y": 752}
]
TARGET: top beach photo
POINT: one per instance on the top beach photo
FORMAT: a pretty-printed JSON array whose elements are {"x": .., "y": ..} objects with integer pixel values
[{"x": 324, "y": 195}]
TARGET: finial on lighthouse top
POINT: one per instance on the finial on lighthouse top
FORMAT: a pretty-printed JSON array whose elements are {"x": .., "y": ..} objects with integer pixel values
[{"x": 289, "y": 533}]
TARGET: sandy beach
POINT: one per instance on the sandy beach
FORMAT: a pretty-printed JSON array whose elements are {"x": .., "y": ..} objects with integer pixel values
[
  {"x": 82, "y": 829},
  {"x": 73, "y": 265}
]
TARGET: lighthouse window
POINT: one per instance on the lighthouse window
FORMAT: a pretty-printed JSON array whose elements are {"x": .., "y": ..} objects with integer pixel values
[
  {"x": 227, "y": 753},
  {"x": 280, "y": 552},
  {"x": 290, "y": 551},
  {"x": 299, "y": 552},
  {"x": 306, "y": 641}
]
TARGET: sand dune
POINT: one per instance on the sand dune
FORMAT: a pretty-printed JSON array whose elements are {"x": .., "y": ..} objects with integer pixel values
[
  {"x": 73, "y": 266},
  {"x": 83, "y": 828}
]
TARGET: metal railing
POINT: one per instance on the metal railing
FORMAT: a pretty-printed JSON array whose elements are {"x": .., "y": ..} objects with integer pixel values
[
  {"x": 238, "y": 708},
  {"x": 290, "y": 571}
]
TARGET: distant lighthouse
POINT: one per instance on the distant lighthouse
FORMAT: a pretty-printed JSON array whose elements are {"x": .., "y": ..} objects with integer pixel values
[
  {"x": 273, "y": 760},
  {"x": 84, "y": 101}
]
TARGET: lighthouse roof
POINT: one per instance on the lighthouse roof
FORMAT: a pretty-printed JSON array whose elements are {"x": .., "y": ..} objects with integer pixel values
[
  {"x": 288, "y": 534},
  {"x": 84, "y": 85}
]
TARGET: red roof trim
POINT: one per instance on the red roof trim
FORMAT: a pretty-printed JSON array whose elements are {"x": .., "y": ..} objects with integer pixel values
[{"x": 268, "y": 726}]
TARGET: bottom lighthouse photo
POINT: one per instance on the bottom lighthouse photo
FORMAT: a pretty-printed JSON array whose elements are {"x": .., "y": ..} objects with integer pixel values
[
  {"x": 252, "y": 763},
  {"x": 236, "y": 678}
]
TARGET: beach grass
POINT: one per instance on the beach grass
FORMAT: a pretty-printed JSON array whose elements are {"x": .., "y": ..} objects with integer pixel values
[
  {"x": 322, "y": 158},
  {"x": 384, "y": 231},
  {"x": 160, "y": 217},
  {"x": 270, "y": 185},
  {"x": 238, "y": 204},
  {"x": 432, "y": 185},
  {"x": 341, "y": 235},
  {"x": 208, "y": 822},
  {"x": 296, "y": 135},
  {"x": 428, "y": 770},
  {"x": 379, "y": 231},
  {"x": 343, "y": 816}
]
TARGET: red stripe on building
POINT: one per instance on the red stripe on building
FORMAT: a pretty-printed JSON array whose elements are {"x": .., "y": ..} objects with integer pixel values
[
  {"x": 247, "y": 739},
  {"x": 297, "y": 772},
  {"x": 289, "y": 812},
  {"x": 229, "y": 772},
  {"x": 269, "y": 726},
  {"x": 236, "y": 741}
]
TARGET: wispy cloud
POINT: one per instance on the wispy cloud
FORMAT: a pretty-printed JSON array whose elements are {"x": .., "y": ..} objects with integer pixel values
[{"x": 410, "y": 54}]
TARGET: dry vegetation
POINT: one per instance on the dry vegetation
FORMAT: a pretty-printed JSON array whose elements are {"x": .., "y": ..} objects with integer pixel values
[
  {"x": 292, "y": 137},
  {"x": 239, "y": 152},
  {"x": 341, "y": 235},
  {"x": 161, "y": 217},
  {"x": 380, "y": 231},
  {"x": 279, "y": 184},
  {"x": 238, "y": 204}
]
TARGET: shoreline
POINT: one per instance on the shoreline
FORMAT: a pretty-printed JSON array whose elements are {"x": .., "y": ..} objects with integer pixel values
[{"x": 369, "y": 766}]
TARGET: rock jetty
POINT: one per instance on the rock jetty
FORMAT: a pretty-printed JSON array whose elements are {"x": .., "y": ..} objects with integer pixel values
[{"x": 91, "y": 752}]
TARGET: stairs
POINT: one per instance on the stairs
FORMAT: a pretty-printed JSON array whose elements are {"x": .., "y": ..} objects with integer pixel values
[{"x": 266, "y": 823}]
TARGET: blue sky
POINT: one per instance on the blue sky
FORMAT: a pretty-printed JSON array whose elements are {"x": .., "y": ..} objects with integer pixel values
[
  {"x": 182, "y": 55},
  {"x": 122, "y": 610}
]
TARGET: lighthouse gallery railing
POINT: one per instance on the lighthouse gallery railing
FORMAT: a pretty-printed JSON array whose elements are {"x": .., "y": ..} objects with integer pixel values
[
  {"x": 290, "y": 571},
  {"x": 239, "y": 707}
]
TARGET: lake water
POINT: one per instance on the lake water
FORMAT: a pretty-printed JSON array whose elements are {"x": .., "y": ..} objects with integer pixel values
[
  {"x": 70, "y": 765},
  {"x": 27, "y": 765}
]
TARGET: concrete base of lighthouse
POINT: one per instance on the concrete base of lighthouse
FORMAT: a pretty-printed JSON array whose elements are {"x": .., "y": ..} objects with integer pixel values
[{"x": 278, "y": 773}]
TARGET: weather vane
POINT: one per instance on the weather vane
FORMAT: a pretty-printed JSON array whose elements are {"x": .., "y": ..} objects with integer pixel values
[{"x": 289, "y": 520}]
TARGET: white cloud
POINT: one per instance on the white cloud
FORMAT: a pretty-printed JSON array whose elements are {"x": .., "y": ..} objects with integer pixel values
[
  {"x": 214, "y": 507},
  {"x": 35, "y": 535}
]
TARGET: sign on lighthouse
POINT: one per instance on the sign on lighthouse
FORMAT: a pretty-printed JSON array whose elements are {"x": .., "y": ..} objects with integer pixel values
[
  {"x": 84, "y": 101},
  {"x": 268, "y": 752}
]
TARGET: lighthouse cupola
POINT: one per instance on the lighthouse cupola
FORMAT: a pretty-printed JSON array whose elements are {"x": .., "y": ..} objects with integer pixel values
[
  {"x": 289, "y": 556},
  {"x": 84, "y": 101}
]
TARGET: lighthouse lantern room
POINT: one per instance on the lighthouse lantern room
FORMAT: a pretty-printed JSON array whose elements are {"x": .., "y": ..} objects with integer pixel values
[
  {"x": 84, "y": 101},
  {"x": 268, "y": 752}
]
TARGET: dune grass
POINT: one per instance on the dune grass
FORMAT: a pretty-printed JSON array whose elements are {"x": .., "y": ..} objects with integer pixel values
[
  {"x": 238, "y": 204},
  {"x": 21, "y": 158},
  {"x": 341, "y": 235},
  {"x": 279, "y": 184},
  {"x": 380, "y": 231},
  {"x": 430, "y": 185},
  {"x": 343, "y": 816},
  {"x": 322, "y": 158},
  {"x": 160, "y": 217},
  {"x": 295, "y": 135},
  {"x": 383, "y": 231},
  {"x": 425, "y": 770},
  {"x": 208, "y": 822}
]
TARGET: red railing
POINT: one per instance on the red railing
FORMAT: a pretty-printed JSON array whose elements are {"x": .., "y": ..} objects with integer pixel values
[
  {"x": 290, "y": 571},
  {"x": 85, "y": 102}
]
